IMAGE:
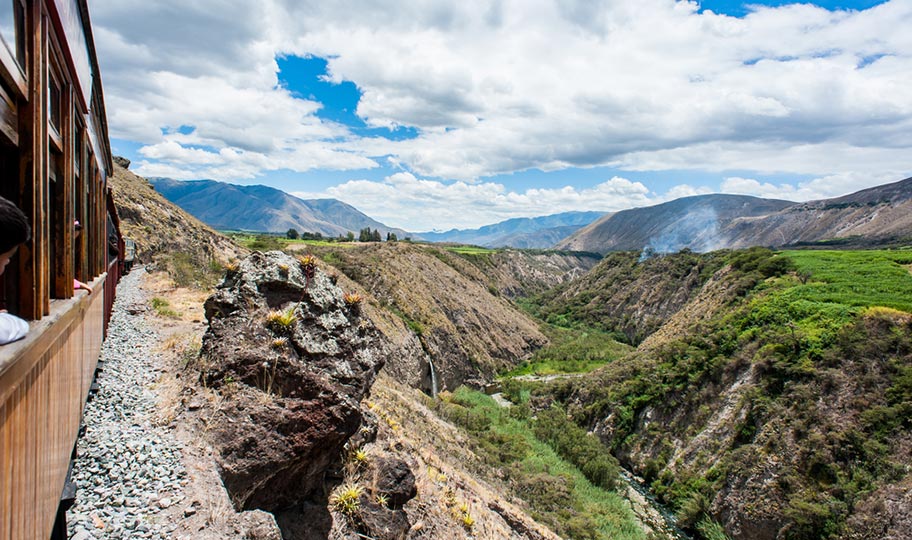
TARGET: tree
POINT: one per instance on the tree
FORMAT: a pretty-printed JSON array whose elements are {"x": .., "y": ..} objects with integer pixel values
[
  {"x": 350, "y": 237},
  {"x": 375, "y": 236},
  {"x": 391, "y": 237},
  {"x": 292, "y": 234}
]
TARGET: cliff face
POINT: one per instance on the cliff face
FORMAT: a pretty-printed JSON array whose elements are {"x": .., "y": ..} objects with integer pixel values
[{"x": 293, "y": 361}]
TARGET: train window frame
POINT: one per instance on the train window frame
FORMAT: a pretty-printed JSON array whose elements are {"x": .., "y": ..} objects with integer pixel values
[
  {"x": 14, "y": 57},
  {"x": 60, "y": 191}
]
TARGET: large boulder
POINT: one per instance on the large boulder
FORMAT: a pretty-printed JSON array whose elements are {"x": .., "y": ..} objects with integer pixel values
[{"x": 292, "y": 358}]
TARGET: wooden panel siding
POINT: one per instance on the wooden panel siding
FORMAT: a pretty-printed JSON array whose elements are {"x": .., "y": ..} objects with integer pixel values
[{"x": 44, "y": 382}]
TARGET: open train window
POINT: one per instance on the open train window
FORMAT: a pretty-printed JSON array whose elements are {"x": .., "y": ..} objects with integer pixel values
[{"x": 9, "y": 281}]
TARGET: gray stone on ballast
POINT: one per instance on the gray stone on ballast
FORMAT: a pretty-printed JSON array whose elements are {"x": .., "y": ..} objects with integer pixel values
[{"x": 127, "y": 468}]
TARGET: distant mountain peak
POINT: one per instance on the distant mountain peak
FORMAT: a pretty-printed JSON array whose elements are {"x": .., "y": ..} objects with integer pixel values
[
  {"x": 522, "y": 232},
  {"x": 264, "y": 209}
]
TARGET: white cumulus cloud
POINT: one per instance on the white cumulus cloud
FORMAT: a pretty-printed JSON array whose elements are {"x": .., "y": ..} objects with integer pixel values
[{"x": 500, "y": 86}]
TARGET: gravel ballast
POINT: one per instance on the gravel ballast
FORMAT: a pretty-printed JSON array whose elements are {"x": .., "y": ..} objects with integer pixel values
[{"x": 128, "y": 470}]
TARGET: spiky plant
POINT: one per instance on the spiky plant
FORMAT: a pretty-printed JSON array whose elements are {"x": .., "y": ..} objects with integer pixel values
[
  {"x": 346, "y": 499},
  {"x": 382, "y": 500},
  {"x": 359, "y": 456},
  {"x": 281, "y": 321}
]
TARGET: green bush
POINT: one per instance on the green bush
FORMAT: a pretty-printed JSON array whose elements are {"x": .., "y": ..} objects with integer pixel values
[{"x": 578, "y": 447}]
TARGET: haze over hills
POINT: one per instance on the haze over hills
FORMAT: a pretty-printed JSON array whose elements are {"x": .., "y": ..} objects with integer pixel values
[
  {"x": 708, "y": 222},
  {"x": 537, "y": 232},
  {"x": 264, "y": 209}
]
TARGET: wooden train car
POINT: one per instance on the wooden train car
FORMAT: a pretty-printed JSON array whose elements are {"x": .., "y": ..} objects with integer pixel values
[{"x": 55, "y": 160}]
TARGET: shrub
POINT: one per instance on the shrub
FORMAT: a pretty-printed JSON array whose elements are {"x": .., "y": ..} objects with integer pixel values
[
  {"x": 265, "y": 242},
  {"x": 575, "y": 445},
  {"x": 163, "y": 308}
]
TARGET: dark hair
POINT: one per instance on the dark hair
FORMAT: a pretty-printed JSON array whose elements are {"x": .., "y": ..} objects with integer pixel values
[{"x": 14, "y": 226}]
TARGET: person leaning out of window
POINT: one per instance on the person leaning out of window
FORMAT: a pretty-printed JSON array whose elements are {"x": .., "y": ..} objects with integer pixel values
[{"x": 14, "y": 231}]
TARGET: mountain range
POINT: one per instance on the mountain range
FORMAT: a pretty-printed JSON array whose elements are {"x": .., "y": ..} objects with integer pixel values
[
  {"x": 872, "y": 216},
  {"x": 264, "y": 209},
  {"x": 537, "y": 232}
]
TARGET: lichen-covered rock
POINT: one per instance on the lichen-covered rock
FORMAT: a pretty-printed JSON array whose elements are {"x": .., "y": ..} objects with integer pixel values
[{"x": 292, "y": 360}]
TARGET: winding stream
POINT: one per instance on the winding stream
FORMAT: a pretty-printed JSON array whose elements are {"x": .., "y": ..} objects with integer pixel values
[{"x": 652, "y": 512}]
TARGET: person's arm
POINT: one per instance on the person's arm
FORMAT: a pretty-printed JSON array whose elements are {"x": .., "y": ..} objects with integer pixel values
[
  {"x": 12, "y": 328},
  {"x": 80, "y": 285}
]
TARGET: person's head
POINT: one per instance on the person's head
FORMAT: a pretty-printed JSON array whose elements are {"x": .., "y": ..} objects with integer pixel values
[{"x": 14, "y": 231}]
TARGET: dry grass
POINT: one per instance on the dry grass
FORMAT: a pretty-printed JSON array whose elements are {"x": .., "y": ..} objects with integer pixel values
[
  {"x": 187, "y": 303},
  {"x": 454, "y": 485}
]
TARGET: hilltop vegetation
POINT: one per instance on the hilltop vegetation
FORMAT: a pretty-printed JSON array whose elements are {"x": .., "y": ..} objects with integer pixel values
[{"x": 780, "y": 408}]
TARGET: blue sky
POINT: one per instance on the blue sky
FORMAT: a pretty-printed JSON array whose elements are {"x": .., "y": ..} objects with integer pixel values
[{"x": 459, "y": 114}]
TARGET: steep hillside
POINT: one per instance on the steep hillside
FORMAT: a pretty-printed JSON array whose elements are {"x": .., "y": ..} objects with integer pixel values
[
  {"x": 692, "y": 222},
  {"x": 160, "y": 228},
  {"x": 538, "y": 232},
  {"x": 466, "y": 330},
  {"x": 517, "y": 273},
  {"x": 261, "y": 208},
  {"x": 776, "y": 403},
  {"x": 628, "y": 295},
  {"x": 880, "y": 215},
  {"x": 876, "y": 216}
]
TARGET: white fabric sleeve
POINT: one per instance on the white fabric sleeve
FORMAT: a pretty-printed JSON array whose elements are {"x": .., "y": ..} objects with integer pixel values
[{"x": 12, "y": 328}]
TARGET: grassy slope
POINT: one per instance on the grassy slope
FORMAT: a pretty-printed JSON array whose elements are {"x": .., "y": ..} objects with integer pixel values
[{"x": 556, "y": 492}]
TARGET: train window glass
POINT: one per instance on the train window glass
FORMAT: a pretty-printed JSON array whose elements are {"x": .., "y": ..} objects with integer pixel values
[
  {"x": 54, "y": 108},
  {"x": 12, "y": 28}
]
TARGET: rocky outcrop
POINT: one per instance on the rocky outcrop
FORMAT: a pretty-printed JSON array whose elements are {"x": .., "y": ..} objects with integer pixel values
[{"x": 292, "y": 358}]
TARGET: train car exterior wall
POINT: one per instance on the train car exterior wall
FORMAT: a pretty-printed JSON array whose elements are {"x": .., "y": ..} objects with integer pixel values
[{"x": 55, "y": 159}]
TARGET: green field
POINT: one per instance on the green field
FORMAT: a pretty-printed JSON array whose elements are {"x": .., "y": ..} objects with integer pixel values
[
  {"x": 470, "y": 250},
  {"x": 855, "y": 279},
  {"x": 572, "y": 351}
]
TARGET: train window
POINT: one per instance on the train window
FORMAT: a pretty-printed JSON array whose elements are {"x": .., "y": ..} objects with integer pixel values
[
  {"x": 9, "y": 281},
  {"x": 12, "y": 28},
  {"x": 54, "y": 115}
]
